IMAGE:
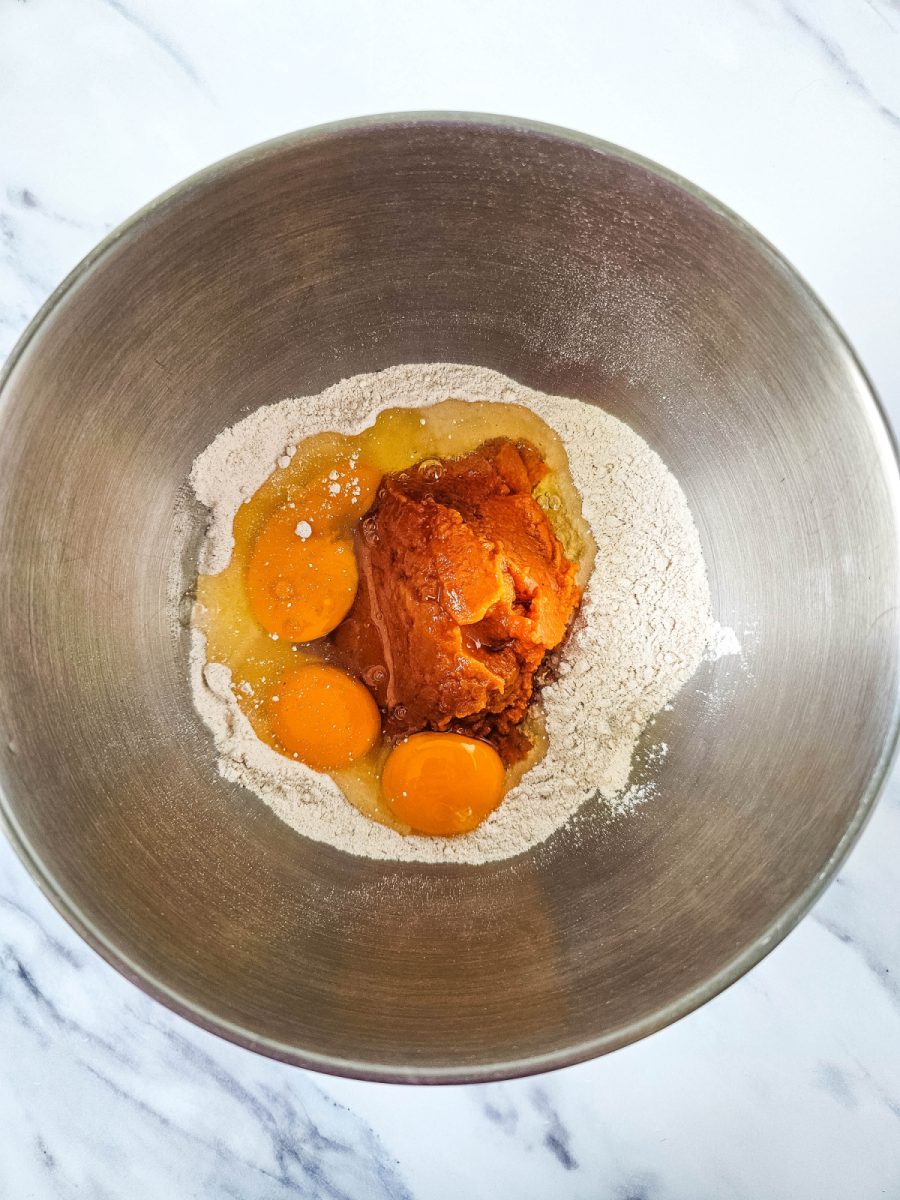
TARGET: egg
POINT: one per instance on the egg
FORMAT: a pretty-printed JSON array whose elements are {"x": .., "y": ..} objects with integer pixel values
[
  {"x": 323, "y": 717},
  {"x": 338, "y": 497},
  {"x": 443, "y": 783},
  {"x": 300, "y": 584}
]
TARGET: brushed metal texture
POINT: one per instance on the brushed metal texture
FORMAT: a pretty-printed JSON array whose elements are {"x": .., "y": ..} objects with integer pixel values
[{"x": 577, "y": 268}]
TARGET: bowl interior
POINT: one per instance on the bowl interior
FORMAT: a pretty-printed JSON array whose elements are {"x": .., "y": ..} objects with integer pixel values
[{"x": 576, "y": 269}]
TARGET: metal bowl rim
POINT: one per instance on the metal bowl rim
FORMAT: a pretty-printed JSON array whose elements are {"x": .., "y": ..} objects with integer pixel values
[{"x": 692, "y": 999}]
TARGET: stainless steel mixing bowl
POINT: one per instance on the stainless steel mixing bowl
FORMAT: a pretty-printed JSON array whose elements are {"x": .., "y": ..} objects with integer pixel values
[{"x": 577, "y": 268}]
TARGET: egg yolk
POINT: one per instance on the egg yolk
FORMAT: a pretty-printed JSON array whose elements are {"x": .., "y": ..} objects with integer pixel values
[
  {"x": 339, "y": 497},
  {"x": 302, "y": 574},
  {"x": 323, "y": 717},
  {"x": 443, "y": 783},
  {"x": 300, "y": 585}
]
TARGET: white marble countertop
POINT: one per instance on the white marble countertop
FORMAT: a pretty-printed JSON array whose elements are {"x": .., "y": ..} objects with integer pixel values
[{"x": 787, "y": 1085}]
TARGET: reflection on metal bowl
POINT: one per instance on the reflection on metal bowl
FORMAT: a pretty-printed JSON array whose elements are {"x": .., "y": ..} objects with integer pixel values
[{"x": 578, "y": 269}]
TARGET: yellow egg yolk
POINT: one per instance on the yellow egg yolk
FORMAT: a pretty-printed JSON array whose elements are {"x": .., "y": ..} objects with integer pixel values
[
  {"x": 341, "y": 497},
  {"x": 302, "y": 577},
  {"x": 299, "y": 586},
  {"x": 323, "y": 717},
  {"x": 443, "y": 783}
]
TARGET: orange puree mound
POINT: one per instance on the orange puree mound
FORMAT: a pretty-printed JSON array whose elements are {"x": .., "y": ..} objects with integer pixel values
[{"x": 463, "y": 588}]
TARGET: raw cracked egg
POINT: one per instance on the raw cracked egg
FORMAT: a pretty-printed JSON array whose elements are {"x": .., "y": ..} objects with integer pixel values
[
  {"x": 300, "y": 584},
  {"x": 323, "y": 717},
  {"x": 443, "y": 783}
]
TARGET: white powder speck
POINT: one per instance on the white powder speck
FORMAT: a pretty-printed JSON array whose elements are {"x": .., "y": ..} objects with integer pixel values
[
  {"x": 643, "y": 627},
  {"x": 723, "y": 641},
  {"x": 303, "y": 530}
]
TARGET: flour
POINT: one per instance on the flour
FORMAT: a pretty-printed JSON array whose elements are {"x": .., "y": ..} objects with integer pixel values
[
  {"x": 723, "y": 641},
  {"x": 644, "y": 625}
]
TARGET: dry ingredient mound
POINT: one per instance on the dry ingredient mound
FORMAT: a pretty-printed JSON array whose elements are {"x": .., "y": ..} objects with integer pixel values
[{"x": 644, "y": 625}]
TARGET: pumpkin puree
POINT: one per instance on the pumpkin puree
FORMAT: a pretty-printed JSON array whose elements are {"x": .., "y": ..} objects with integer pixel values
[{"x": 463, "y": 589}]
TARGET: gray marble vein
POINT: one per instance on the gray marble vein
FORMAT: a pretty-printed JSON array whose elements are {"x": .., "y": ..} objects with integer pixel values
[
  {"x": 837, "y": 58},
  {"x": 90, "y": 1064},
  {"x": 887, "y": 976},
  {"x": 156, "y": 38},
  {"x": 24, "y": 198}
]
